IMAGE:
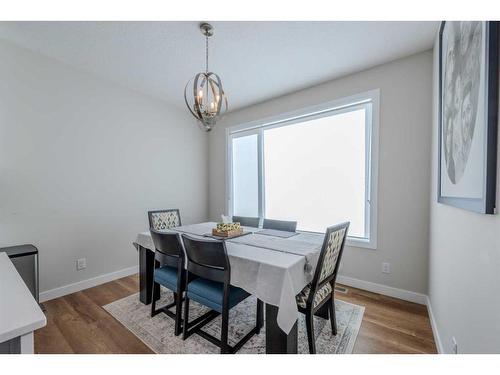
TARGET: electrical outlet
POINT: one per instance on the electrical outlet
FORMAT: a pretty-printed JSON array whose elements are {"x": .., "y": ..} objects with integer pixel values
[
  {"x": 81, "y": 264},
  {"x": 386, "y": 268},
  {"x": 454, "y": 346}
]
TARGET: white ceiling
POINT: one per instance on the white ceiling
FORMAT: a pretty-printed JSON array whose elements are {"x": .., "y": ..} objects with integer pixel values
[{"x": 256, "y": 60}]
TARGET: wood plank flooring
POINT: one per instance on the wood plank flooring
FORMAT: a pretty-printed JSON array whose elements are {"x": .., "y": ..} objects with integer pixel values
[{"x": 77, "y": 323}]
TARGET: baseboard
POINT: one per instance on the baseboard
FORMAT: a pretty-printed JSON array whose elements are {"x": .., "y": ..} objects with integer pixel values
[
  {"x": 435, "y": 332},
  {"x": 390, "y": 291},
  {"x": 85, "y": 284}
]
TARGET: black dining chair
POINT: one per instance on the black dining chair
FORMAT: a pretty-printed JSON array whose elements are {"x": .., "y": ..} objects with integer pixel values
[
  {"x": 207, "y": 260},
  {"x": 169, "y": 272},
  {"x": 321, "y": 289},
  {"x": 164, "y": 219},
  {"x": 247, "y": 221},
  {"x": 287, "y": 226}
]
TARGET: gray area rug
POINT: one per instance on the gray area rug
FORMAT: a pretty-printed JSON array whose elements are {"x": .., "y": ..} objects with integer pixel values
[{"x": 158, "y": 332}]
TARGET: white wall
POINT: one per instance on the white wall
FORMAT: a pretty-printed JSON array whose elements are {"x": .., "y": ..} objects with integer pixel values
[
  {"x": 82, "y": 160},
  {"x": 404, "y": 167},
  {"x": 464, "y": 267}
]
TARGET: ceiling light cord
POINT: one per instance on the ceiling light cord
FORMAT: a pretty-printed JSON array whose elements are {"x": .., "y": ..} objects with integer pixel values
[{"x": 206, "y": 53}]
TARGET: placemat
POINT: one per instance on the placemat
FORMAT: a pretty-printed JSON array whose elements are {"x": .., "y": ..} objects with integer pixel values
[{"x": 277, "y": 233}]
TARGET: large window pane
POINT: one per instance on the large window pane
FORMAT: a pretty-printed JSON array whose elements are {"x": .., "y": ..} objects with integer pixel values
[
  {"x": 314, "y": 172},
  {"x": 246, "y": 176}
]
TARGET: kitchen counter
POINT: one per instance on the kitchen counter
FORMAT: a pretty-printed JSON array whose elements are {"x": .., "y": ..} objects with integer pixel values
[{"x": 20, "y": 314}]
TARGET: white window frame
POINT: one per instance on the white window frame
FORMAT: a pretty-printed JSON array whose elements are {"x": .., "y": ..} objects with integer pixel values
[{"x": 370, "y": 100}]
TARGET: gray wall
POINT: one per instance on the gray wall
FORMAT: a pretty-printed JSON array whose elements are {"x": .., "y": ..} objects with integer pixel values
[
  {"x": 404, "y": 167},
  {"x": 464, "y": 264},
  {"x": 82, "y": 160}
]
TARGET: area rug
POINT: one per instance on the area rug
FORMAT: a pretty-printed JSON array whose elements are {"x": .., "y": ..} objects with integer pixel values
[{"x": 158, "y": 332}]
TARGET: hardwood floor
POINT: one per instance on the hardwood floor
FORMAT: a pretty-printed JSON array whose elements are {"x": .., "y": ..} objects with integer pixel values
[
  {"x": 77, "y": 323},
  {"x": 391, "y": 325}
]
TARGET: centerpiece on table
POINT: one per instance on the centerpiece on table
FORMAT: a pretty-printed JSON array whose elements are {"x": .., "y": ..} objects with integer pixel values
[{"x": 227, "y": 230}]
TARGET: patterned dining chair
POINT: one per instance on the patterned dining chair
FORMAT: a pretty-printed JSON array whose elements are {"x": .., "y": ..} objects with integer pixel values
[
  {"x": 247, "y": 221},
  {"x": 164, "y": 219},
  {"x": 208, "y": 282},
  {"x": 287, "y": 226},
  {"x": 321, "y": 290},
  {"x": 170, "y": 273}
]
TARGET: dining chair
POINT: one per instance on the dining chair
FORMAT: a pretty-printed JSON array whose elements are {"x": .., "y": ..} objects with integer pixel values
[
  {"x": 170, "y": 273},
  {"x": 247, "y": 221},
  {"x": 321, "y": 290},
  {"x": 287, "y": 226},
  {"x": 164, "y": 219},
  {"x": 208, "y": 261}
]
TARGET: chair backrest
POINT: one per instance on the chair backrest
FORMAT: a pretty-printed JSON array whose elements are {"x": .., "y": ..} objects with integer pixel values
[
  {"x": 207, "y": 258},
  {"x": 330, "y": 255},
  {"x": 164, "y": 219},
  {"x": 287, "y": 226},
  {"x": 168, "y": 248},
  {"x": 247, "y": 221}
]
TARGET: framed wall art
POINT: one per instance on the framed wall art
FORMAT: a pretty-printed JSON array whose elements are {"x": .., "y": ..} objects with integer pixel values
[{"x": 468, "y": 114}]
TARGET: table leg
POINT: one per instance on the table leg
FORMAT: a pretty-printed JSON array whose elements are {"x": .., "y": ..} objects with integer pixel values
[
  {"x": 146, "y": 269},
  {"x": 277, "y": 341}
]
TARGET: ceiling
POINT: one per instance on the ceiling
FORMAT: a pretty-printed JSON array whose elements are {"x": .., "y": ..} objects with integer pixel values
[{"x": 256, "y": 60}]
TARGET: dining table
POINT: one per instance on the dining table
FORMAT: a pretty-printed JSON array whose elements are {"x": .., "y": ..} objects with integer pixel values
[{"x": 272, "y": 265}]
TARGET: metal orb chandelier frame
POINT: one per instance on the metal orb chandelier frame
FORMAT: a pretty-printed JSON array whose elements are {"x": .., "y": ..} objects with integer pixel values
[{"x": 203, "y": 94}]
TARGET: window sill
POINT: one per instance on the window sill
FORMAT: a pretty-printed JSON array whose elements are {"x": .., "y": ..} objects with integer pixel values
[
  {"x": 364, "y": 243},
  {"x": 361, "y": 243}
]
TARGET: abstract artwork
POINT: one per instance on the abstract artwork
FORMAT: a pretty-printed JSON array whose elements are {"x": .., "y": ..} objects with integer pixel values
[{"x": 468, "y": 86}]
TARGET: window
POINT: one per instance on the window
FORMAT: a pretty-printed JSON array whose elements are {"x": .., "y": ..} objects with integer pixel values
[
  {"x": 246, "y": 175},
  {"x": 316, "y": 166}
]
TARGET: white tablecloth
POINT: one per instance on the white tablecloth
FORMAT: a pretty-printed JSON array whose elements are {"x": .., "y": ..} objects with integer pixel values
[{"x": 273, "y": 275}]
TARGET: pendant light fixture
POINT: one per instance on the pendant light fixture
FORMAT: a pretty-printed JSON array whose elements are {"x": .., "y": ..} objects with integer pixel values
[{"x": 203, "y": 93}]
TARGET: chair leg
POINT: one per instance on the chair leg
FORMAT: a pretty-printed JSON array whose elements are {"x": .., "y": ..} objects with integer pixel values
[
  {"x": 310, "y": 332},
  {"x": 224, "y": 348},
  {"x": 186, "y": 317},
  {"x": 155, "y": 297},
  {"x": 260, "y": 316},
  {"x": 333, "y": 320},
  {"x": 178, "y": 313}
]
